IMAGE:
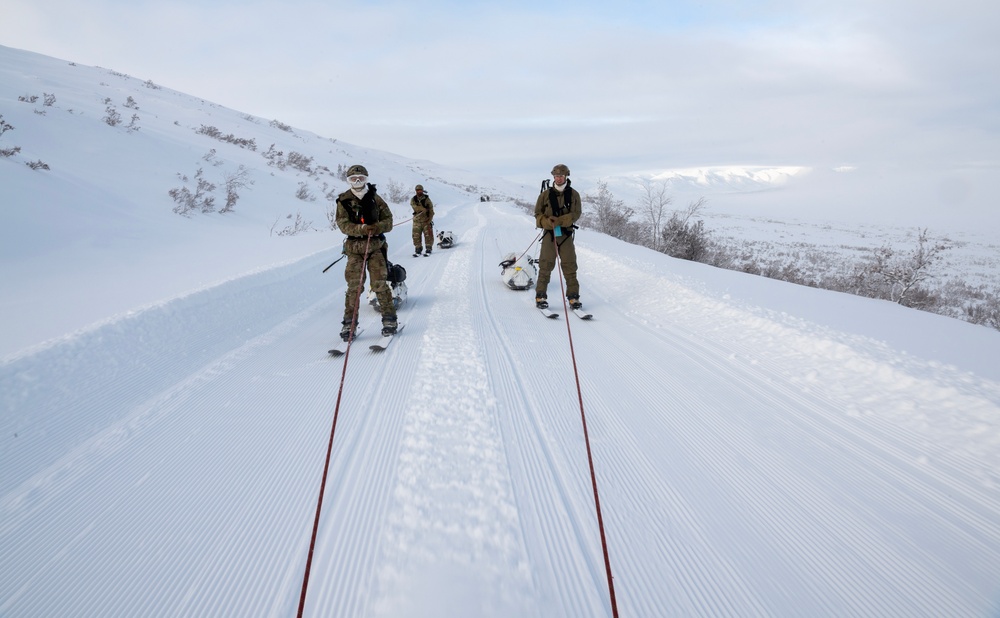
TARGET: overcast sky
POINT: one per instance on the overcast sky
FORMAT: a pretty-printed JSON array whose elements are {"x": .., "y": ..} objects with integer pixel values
[{"x": 512, "y": 87}]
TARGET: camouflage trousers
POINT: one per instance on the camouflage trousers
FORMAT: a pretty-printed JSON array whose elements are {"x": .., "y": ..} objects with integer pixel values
[
  {"x": 355, "y": 276},
  {"x": 423, "y": 231},
  {"x": 547, "y": 261}
]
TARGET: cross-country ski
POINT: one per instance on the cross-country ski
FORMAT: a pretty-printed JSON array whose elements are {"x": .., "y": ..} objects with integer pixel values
[
  {"x": 548, "y": 312},
  {"x": 341, "y": 348},
  {"x": 383, "y": 342}
]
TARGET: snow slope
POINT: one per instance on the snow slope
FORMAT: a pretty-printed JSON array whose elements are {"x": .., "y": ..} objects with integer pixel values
[{"x": 166, "y": 402}]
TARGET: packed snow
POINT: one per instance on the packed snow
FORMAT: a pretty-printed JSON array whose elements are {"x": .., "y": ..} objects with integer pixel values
[{"x": 167, "y": 400}]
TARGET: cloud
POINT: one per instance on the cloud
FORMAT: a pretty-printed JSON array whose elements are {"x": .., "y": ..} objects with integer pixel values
[{"x": 511, "y": 88}]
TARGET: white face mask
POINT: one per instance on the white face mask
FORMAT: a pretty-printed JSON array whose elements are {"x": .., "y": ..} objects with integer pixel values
[{"x": 357, "y": 182}]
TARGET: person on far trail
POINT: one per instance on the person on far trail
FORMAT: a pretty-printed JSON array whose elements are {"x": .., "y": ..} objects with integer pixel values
[
  {"x": 365, "y": 218},
  {"x": 423, "y": 226},
  {"x": 556, "y": 212}
]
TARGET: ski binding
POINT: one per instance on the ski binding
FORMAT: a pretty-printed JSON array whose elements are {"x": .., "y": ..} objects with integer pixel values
[
  {"x": 341, "y": 348},
  {"x": 384, "y": 341}
]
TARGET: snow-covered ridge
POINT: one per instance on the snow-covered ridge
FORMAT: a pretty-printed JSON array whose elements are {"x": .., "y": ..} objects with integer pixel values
[{"x": 733, "y": 178}]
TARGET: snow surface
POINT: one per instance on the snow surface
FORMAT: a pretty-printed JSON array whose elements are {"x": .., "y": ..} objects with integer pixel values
[{"x": 166, "y": 401}]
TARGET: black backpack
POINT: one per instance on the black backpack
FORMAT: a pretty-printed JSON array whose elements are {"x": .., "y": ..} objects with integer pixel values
[{"x": 396, "y": 273}]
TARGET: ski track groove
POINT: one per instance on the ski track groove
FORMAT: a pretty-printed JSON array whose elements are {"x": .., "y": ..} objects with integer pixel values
[
  {"x": 366, "y": 450},
  {"x": 555, "y": 343},
  {"x": 153, "y": 416},
  {"x": 543, "y": 464},
  {"x": 800, "y": 408}
]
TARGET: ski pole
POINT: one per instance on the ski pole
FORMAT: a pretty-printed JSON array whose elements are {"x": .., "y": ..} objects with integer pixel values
[{"x": 334, "y": 262}]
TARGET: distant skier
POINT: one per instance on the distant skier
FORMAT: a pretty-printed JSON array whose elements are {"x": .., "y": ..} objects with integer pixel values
[
  {"x": 365, "y": 218},
  {"x": 556, "y": 211},
  {"x": 423, "y": 217}
]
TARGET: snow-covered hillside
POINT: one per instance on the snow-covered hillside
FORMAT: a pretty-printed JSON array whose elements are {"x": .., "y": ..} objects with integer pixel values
[
  {"x": 106, "y": 193},
  {"x": 166, "y": 401}
]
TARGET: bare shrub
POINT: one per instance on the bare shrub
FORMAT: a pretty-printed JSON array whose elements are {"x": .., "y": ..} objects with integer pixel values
[
  {"x": 299, "y": 161},
  {"x": 211, "y": 157},
  {"x": 235, "y": 181},
  {"x": 4, "y": 127},
  {"x": 297, "y": 226},
  {"x": 275, "y": 158},
  {"x": 188, "y": 201},
  {"x": 680, "y": 237},
  {"x": 242, "y": 142},
  {"x": 112, "y": 117},
  {"x": 610, "y": 215},
  {"x": 897, "y": 277},
  {"x": 397, "y": 192},
  {"x": 985, "y": 312},
  {"x": 37, "y": 165},
  {"x": 304, "y": 194}
]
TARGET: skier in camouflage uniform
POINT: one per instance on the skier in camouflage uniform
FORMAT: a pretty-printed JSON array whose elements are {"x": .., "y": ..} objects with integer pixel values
[
  {"x": 556, "y": 211},
  {"x": 365, "y": 218},
  {"x": 423, "y": 217}
]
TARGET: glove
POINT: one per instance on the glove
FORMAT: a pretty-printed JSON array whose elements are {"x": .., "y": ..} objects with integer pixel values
[{"x": 371, "y": 229}]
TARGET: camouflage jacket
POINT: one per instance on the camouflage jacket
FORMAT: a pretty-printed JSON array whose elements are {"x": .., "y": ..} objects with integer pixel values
[
  {"x": 354, "y": 213},
  {"x": 422, "y": 205}
]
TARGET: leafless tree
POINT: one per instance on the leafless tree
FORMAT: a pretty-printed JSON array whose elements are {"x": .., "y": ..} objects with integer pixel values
[
  {"x": 680, "y": 237},
  {"x": 611, "y": 216},
  {"x": 653, "y": 205},
  {"x": 397, "y": 192},
  {"x": 899, "y": 276}
]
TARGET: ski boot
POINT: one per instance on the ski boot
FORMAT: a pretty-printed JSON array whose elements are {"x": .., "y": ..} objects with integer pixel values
[
  {"x": 389, "y": 324},
  {"x": 345, "y": 331},
  {"x": 428, "y": 252},
  {"x": 574, "y": 302},
  {"x": 416, "y": 252},
  {"x": 541, "y": 301}
]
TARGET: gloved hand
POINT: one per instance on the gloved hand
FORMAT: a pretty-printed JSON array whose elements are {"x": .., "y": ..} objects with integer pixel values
[{"x": 371, "y": 229}]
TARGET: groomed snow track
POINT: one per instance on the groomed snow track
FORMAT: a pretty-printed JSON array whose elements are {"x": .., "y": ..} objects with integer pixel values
[{"x": 167, "y": 462}]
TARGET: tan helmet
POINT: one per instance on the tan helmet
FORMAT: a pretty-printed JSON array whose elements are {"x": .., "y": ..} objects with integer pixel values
[
  {"x": 560, "y": 170},
  {"x": 419, "y": 188},
  {"x": 357, "y": 170}
]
